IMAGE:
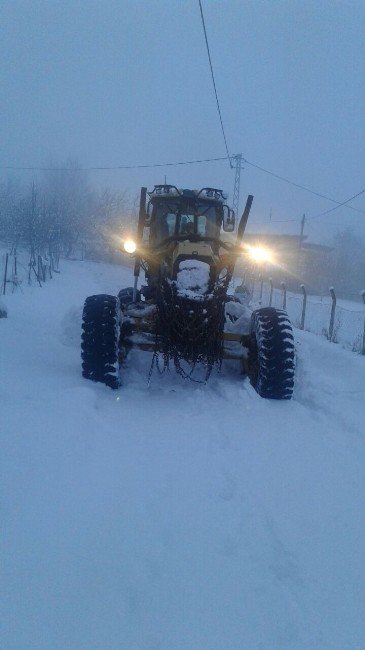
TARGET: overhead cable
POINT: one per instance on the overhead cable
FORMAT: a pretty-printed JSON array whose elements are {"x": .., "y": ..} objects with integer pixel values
[
  {"x": 301, "y": 187},
  {"x": 194, "y": 162},
  {"x": 111, "y": 168},
  {"x": 214, "y": 84},
  {"x": 321, "y": 214}
]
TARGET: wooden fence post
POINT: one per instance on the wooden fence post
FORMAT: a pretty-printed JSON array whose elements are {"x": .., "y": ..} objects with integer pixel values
[
  {"x": 282, "y": 284},
  {"x": 5, "y": 273},
  {"x": 304, "y": 306},
  {"x": 333, "y": 311},
  {"x": 363, "y": 336},
  {"x": 261, "y": 279}
]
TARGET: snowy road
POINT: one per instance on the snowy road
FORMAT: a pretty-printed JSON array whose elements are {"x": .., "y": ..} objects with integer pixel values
[{"x": 180, "y": 516}]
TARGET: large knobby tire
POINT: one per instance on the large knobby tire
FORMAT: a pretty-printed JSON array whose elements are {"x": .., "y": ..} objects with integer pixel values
[
  {"x": 271, "y": 358},
  {"x": 126, "y": 296},
  {"x": 100, "y": 339}
]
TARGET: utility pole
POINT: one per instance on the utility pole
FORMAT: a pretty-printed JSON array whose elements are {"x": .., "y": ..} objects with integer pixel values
[{"x": 237, "y": 178}]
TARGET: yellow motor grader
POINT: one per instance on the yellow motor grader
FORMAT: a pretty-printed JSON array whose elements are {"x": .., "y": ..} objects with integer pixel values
[{"x": 183, "y": 314}]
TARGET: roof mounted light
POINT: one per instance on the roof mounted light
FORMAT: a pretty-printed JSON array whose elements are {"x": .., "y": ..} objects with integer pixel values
[
  {"x": 160, "y": 190},
  {"x": 206, "y": 192},
  {"x": 212, "y": 193}
]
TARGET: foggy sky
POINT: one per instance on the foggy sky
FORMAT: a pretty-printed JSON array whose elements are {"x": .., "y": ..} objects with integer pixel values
[{"x": 123, "y": 82}]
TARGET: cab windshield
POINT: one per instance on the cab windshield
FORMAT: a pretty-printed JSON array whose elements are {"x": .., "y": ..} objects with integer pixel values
[{"x": 173, "y": 219}]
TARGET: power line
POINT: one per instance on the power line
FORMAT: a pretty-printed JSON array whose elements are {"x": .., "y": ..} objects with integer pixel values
[
  {"x": 322, "y": 214},
  {"x": 202, "y": 161},
  {"x": 213, "y": 79},
  {"x": 301, "y": 187},
  {"x": 111, "y": 168}
]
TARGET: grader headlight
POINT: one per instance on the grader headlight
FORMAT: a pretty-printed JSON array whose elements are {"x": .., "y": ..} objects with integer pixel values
[
  {"x": 130, "y": 246},
  {"x": 259, "y": 254}
]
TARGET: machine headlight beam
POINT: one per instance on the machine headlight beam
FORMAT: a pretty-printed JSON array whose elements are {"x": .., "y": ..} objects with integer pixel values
[
  {"x": 130, "y": 246},
  {"x": 259, "y": 254}
]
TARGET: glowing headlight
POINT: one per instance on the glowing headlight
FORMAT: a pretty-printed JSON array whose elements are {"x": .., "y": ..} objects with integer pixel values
[
  {"x": 129, "y": 246},
  {"x": 259, "y": 254}
]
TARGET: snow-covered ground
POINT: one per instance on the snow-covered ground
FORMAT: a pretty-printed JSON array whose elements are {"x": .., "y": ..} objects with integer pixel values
[{"x": 180, "y": 516}]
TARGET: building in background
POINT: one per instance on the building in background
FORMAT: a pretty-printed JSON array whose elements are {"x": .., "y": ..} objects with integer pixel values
[{"x": 292, "y": 260}]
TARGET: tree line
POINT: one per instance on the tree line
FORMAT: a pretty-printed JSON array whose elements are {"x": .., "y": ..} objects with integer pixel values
[{"x": 63, "y": 214}]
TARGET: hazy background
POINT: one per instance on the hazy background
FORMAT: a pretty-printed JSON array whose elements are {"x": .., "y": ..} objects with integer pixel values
[{"x": 120, "y": 82}]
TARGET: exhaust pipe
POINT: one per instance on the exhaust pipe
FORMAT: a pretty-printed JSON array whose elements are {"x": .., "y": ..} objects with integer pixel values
[{"x": 243, "y": 222}]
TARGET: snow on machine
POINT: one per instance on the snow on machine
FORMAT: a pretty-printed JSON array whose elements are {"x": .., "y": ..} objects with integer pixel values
[{"x": 184, "y": 314}]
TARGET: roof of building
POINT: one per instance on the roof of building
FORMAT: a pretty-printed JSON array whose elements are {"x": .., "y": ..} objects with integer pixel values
[{"x": 288, "y": 242}]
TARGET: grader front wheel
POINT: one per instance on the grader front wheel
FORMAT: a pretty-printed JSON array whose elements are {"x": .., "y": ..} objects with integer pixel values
[
  {"x": 271, "y": 358},
  {"x": 100, "y": 339}
]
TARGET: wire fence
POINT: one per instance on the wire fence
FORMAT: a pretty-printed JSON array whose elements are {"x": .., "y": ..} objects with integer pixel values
[
  {"x": 340, "y": 321},
  {"x": 20, "y": 268}
]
